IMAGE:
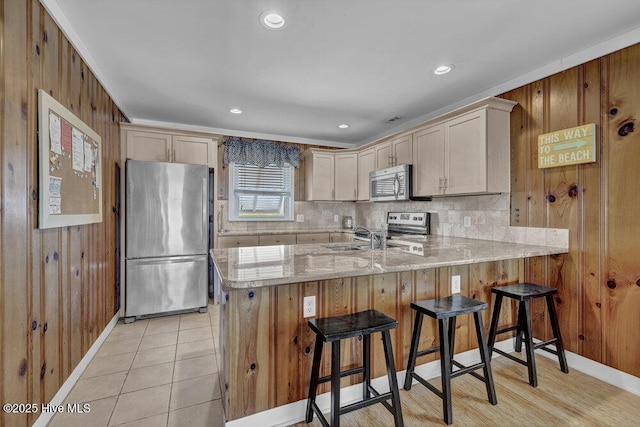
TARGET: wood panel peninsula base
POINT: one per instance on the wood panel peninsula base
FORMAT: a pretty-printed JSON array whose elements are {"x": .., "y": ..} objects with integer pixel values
[{"x": 267, "y": 347}]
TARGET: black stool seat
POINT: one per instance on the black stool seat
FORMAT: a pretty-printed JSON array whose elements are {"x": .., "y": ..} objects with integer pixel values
[
  {"x": 445, "y": 310},
  {"x": 524, "y": 293},
  {"x": 333, "y": 330},
  {"x": 351, "y": 325}
]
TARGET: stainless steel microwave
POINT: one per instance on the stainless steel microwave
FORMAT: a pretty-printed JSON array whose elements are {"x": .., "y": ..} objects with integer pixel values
[{"x": 390, "y": 184}]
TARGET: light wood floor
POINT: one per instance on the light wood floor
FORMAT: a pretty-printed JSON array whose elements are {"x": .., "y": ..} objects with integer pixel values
[{"x": 573, "y": 399}]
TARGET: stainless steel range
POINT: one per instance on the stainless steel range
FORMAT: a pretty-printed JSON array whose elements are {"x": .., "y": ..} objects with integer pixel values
[
  {"x": 408, "y": 224},
  {"x": 402, "y": 228}
]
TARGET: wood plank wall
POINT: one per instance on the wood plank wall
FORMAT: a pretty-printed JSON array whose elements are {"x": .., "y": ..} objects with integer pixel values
[
  {"x": 599, "y": 280},
  {"x": 57, "y": 286}
]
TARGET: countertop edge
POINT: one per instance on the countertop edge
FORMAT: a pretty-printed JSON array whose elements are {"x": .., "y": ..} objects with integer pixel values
[{"x": 528, "y": 251}]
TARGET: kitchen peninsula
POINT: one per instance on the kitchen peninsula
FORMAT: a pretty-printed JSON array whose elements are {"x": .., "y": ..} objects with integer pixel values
[{"x": 267, "y": 347}]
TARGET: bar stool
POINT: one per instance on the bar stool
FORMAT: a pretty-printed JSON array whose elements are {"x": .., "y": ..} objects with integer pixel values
[
  {"x": 333, "y": 330},
  {"x": 442, "y": 309},
  {"x": 524, "y": 293}
]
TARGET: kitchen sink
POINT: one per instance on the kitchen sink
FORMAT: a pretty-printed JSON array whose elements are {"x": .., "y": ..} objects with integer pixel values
[
  {"x": 361, "y": 247},
  {"x": 348, "y": 248}
]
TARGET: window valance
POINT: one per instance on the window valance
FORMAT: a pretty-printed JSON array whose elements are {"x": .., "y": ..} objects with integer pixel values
[{"x": 260, "y": 153}]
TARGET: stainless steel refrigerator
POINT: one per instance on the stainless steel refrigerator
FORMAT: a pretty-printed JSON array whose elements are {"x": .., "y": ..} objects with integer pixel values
[{"x": 166, "y": 238}]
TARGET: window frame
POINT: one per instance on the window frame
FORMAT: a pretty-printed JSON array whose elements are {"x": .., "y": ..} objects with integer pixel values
[{"x": 287, "y": 194}]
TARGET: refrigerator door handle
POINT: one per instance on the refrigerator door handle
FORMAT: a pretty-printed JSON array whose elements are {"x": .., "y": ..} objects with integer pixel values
[{"x": 163, "y": 260}]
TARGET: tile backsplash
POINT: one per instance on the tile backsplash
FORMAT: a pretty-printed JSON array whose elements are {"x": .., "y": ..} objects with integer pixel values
[
  {"x": 316, "y": 215},
  {"x": 488, "y": 215}
]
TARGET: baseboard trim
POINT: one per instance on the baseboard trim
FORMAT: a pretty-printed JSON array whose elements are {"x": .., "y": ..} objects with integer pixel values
[
  {"x": 597, "y": 370},
  {"x": 62, "y": 393},
  {"x": 294, "y": 412}
]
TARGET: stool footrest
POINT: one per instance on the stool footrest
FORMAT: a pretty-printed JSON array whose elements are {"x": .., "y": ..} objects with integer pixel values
[
  {"x": 468, "y": 370},
  {"x": 346, "y": 373},
  {"x": 542, "y": 345},
  {"x": 320, "y": 415},
  {"x": 428, "y": 385},
  {"x": 510, "y": 356},
  {"x": 429, "y": 350},
  {"x": 380, "y": 398},
  {"x": 506, "y": 329}
]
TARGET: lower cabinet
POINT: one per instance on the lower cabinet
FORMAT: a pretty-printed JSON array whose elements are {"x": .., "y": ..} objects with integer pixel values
[
  {"x": 282, "y": 239},
  {"x": 237, "y": 241},
  {"x": 278, "y": 239},
  {"x": 311, "y": 238},
  {"x": 340, "y": 237}
]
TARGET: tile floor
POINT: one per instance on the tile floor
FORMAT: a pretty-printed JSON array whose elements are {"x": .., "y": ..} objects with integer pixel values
[{"x": 153, "y": 372}]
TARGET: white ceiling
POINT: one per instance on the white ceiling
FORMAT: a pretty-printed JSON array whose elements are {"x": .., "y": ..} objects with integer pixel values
[{"x": 185, "y": 63}]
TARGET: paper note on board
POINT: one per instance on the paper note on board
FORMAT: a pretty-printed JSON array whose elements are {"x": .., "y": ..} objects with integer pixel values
[
  {"x": 77, "y": 156},
  {"x": 55, "y": 183},
  {"x": 65, "y": 135},
  {"x": 54, "y": 205},
  {"x": 54, "y": 133},
  {"x": 88, "y": 157}
]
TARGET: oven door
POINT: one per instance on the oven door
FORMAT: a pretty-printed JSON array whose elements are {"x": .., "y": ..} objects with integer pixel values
[{"x": 390, "y": 184}]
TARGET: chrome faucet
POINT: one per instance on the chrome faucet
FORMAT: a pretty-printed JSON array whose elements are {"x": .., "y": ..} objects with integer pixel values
[{"x": 377, "y": 239}]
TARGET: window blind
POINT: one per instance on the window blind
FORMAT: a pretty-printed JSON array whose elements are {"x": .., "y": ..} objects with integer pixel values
[{"x": 261, "y": 192}]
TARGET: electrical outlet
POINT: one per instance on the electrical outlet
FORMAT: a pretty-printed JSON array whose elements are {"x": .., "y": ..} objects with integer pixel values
[
  {"x": 467, "y": 221},
  {"x": 309, "y": 306},
  {"x": 336, "y": 218},
  {"x": 299, "y": 218},
  {"x": 455, "y": 284}
]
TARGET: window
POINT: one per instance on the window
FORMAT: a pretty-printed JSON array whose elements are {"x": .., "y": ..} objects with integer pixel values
[{"x": 260, "y": 194}]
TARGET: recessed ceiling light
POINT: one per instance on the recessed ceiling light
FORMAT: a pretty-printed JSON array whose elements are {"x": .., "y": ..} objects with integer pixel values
[
  {"x": 343, "y": 126},
  {"x": 235, "y": 111},
  {"x": 443, "y": 69},
  {"x": 272, "y": 20}
]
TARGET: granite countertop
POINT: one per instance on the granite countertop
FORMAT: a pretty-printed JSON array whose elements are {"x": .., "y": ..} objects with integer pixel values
[
  {"x": 251, "y": 267},
  {"x": 275, "y": 232}
]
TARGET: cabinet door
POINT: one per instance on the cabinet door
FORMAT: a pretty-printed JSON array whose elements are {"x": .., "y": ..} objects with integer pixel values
[
  {"x": 340, "y": 237},
  {"x": 319, "y": 177},
  {"x": 311, "y": 238},
  {"x": 148, "y": 146},
  {"x": 383, "y": 155},
  {"x": 366, "y": 164},
  {"x": 466, "y": 154},
  {"x": 277, "y": 239},
  {"x": 346, "y": 176},
  {"x": 191, "y": 149},
  {"x": 428, "y": 161},
  {"x": 403, "y": 150}
]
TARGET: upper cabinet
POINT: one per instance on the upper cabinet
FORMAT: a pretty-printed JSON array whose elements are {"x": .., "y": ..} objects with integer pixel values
[
  {"x": 191, "y": 149},
  {"x": 467, "y": 153},
  {"x": 428, "y": 156},
  {"x": 462, "y": 152},
  {"x": 318, "y": 175},
  {"x": 168, "y": 146},
  {"x": 331, "y": 175},
  {"x": 346, "y": 176},
  {"x": 397, "y": 151},
  {"x": 366, "y": 164}
]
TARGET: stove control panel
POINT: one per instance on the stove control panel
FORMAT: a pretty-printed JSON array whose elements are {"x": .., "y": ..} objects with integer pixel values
[{"x": 407, "y": 218}]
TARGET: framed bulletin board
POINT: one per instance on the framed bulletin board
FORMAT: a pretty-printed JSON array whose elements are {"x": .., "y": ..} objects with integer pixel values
[{"x": 70, "y": 169}]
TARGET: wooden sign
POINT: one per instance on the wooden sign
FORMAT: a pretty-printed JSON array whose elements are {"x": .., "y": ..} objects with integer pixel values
[{"x": 567, "y": 147}]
